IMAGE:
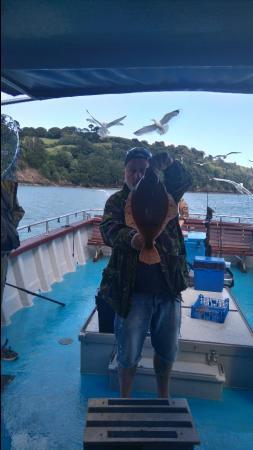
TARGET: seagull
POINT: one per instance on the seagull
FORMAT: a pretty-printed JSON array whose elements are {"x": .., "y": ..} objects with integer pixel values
[
  {"x": 103, "y": 126},
  {"x": 160, "y": 126},
  {"x": 238, "y": 186},
  {"x": 200, "y": 164},
  {"x": 250, "y": 160},
  {"x": 225, "y": 156}
]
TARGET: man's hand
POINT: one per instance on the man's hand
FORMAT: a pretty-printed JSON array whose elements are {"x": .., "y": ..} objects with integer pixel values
[
  {"x": 161, "y": 161},
  {"x": 137, "y": 241}
]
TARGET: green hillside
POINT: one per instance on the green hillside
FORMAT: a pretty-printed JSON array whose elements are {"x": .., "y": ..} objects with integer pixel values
[{"x": 71, "y": 156}]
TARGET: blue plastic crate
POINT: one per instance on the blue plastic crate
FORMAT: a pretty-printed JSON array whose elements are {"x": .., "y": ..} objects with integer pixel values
[{"x": 212, "y": 309}]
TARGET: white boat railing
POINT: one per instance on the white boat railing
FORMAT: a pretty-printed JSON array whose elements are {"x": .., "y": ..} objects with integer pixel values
[
  {"x": 224, "y": 217},
  {"x": 65, "y": 220}
]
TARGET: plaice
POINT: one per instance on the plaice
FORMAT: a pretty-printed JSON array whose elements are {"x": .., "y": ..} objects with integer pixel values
[{"x": 148, "y": 210}]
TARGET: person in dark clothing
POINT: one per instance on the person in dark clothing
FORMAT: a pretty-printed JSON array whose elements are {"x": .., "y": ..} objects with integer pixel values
[
  {"x": 145, "y": 297},
  {"x": 11, "y": 214}
]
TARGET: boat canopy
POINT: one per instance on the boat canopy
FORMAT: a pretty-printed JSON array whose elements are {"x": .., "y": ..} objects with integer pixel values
[{"x": 64, "y": 48}]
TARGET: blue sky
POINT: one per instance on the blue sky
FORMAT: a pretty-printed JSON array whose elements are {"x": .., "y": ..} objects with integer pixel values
[{"x": 214, "y": 123}]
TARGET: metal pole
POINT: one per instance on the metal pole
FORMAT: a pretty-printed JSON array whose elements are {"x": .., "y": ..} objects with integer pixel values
[{"x": 36, "y": 295}]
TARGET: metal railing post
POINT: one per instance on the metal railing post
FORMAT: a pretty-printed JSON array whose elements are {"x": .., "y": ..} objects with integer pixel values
[{"x": 89, "y": 213}]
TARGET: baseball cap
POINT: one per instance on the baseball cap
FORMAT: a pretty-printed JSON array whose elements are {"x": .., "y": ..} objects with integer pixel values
[{"x": 137, "y": 153}]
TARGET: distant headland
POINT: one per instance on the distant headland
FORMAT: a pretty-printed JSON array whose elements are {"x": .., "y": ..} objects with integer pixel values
[{"x": 74, "y": 157}]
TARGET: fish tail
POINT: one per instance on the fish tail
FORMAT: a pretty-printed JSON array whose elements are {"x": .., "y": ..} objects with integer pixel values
[{"x": 149, "y": 256}]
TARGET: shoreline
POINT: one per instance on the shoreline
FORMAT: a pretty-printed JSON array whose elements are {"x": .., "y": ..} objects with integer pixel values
[
  {"x": 66, "y": 185},
  {"x": 75, "y": 186}
]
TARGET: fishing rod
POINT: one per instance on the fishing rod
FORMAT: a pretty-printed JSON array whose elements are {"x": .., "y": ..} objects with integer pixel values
[
  {"x": 36, "y": 295},
  {"x": 208, "y": 218}
]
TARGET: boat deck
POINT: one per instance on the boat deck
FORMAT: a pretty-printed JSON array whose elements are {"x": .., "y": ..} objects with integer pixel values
[
  {"x": 234, "y": 331},
  {"x": 45, "y": 402}
]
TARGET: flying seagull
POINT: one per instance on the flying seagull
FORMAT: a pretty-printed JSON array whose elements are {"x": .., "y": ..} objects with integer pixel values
[
  {"x": 250, "y": 160},
  {"x": 103, "y": 126},
  {"x": 200, "y": 164},
  {"x": 160, "y": 126},
  {"x": 238, "y": 186},
  {"x": 225, "y": 156}
]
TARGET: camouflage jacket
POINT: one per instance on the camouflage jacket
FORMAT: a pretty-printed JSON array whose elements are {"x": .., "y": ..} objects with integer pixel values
[
  {"x": 11, "y": 212},
  {"x": 118, "y": 277}
]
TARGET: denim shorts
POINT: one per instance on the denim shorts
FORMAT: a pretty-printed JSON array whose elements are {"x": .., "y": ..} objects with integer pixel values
[{"x": 159, "y": 314}]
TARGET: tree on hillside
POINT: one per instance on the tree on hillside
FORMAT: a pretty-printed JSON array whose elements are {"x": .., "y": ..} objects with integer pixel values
[
  {"x": 41, "y": 132},
  {"x": 91, "y": 133},
  {"x": 27, "y": 131},
  {"x": 33, "y": 151},
  {"x": 68, "y": 130},
  {"x": 63, "y": 159},
  {"x": 54, "y": 133}
]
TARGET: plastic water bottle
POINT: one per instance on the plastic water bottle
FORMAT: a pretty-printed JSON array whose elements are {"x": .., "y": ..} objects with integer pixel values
[{"x": 201, "y": 299}]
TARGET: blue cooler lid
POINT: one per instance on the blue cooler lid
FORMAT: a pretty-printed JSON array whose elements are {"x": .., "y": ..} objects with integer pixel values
[
  {"x": 196, "y": 236},
  {"x": 209, "y": 262}
]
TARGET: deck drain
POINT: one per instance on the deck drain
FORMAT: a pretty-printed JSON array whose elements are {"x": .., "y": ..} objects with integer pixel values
[{"x": 65, "y": 341}]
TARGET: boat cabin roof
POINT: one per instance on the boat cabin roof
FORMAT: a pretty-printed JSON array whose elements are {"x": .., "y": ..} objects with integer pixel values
[{"x": 63, "y": 48}]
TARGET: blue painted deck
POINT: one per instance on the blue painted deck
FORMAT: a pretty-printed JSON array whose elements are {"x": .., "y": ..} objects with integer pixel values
[
  {"x": 44, "y": 407},
  {"x": 243, "y": 291}
]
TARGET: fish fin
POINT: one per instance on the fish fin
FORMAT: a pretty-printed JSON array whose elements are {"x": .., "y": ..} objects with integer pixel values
[
  {"x": 149, "y": 256},
  {"x": 128, "y": 213},
  {"x": 172, "y": 209},
  {"x": 172, "y": 212}
]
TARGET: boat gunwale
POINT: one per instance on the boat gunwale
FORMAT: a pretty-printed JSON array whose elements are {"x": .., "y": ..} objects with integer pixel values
[{"x": 29, "y": 244}]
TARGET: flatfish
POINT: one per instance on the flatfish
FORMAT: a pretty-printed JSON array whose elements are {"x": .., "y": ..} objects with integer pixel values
[{"x": 148, "y": 209}]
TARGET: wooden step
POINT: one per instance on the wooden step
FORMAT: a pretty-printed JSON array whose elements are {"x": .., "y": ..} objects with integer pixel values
[
  {"x": 190, "y": 379},
  {"x": 139, "y": 424}
]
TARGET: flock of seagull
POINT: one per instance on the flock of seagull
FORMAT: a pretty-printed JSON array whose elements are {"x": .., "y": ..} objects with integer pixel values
[{"x": 161, "y": 126}]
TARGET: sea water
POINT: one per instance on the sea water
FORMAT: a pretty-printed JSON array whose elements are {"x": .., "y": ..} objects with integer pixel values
[{"x": 43, "y": 202}]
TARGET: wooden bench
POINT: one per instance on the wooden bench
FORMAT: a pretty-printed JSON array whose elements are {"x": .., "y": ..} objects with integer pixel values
[
  {"x": 139, "y": 424},
  {"x": 229, "y": 236},
  {"x": 193, "y": 225},
  {"x": 96, "y": 239},
  {"x": 226, "y": 238},
  {"x": 231, "y": 239}
]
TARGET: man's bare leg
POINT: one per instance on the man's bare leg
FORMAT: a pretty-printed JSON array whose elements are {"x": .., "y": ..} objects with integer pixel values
[
  {"x": 163, "y": 372},
  {"x": 126, "y": 378}
]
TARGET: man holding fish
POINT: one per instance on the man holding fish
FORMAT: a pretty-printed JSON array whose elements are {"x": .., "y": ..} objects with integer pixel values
[{"x": 147, "y": 269}]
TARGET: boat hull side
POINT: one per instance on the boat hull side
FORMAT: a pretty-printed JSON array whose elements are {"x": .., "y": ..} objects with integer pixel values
[{"x": 40, "y": 262}]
